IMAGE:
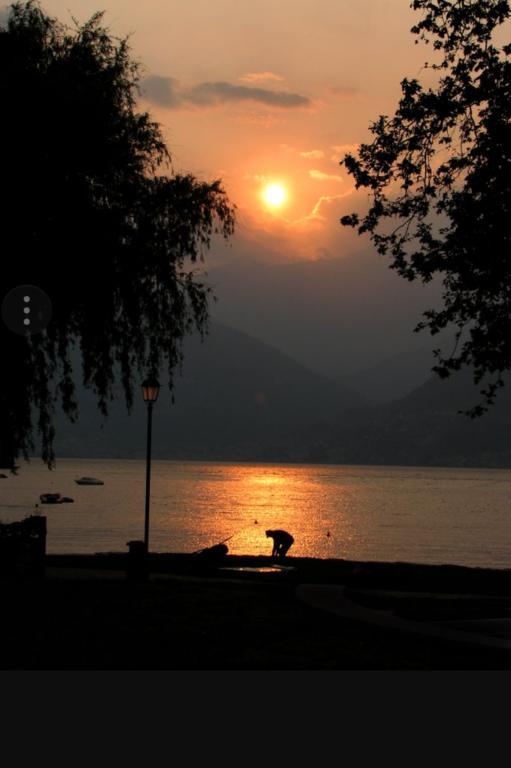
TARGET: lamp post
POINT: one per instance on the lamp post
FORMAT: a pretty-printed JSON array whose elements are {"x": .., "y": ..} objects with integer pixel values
[{"x": 150, "y": 392}]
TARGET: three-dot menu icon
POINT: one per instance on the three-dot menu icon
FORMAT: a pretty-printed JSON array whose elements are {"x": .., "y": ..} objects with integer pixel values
[{"x": 26, "y": 310}]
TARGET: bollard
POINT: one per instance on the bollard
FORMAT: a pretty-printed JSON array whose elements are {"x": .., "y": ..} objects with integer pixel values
[{"x": 137, "y": 568}]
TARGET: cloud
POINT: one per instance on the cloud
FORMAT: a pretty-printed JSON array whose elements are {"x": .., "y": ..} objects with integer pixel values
[
  {"x": 326, "y": 201},
  {"x": 161, "y": 90},
  {"x": 314, "y": 154},
  {"x": 166, "y": 92},
  {"x": 209, "y": 94},
  {"x": 320, "y": 176},
  {"x": 260, "y": 77},
  {"x": 321, "y": 217},
  {"x": 259, "y": 177}
]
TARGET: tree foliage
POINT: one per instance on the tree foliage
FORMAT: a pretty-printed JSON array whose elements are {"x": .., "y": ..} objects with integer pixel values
[
  {"x": 438, "y": 173},
  {"x": 94, "y": 215}
]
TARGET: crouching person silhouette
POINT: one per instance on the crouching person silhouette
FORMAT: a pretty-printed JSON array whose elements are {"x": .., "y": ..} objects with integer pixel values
[{"x": 282, "y": 540}]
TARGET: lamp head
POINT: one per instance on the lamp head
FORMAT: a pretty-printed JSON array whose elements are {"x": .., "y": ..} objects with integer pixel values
[{"x": 150, "y": 389}]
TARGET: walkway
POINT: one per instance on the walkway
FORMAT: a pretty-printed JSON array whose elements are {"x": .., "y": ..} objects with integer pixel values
[{"x": 489, "y": 632}]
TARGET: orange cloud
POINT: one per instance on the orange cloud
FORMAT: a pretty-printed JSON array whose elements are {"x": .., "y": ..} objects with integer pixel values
[
  {"x": 259, "y": 177},
  {"x": 327, "y": 200},
  {"x": 320, "y": 215},
  {"x": 320, "y": 176},
  {"x": 260, "y": 77},
  {"x": 313, "y": 154}
]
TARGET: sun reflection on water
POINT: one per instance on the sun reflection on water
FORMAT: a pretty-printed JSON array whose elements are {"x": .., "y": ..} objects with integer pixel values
[
  {"x": 430, "y": 515},
  {"x": 239, "y": 503}
]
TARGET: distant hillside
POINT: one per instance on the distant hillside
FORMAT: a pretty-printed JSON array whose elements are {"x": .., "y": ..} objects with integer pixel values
[
  {"x": 393, "y": 377},
  {"x": 242, "y": 400},
  {"x": 339, "y": 317},
  {"x": 237, "y": 399},
  {"x": 422, "y": 429}
]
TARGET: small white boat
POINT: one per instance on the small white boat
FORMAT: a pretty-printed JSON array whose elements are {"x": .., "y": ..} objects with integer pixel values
[{"x": 89, "y": 481}]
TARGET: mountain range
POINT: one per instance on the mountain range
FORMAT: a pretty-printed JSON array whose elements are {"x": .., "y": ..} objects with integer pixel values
[
  {"x": 350, "y": 318},
  {"x": 239, "y": 399}
]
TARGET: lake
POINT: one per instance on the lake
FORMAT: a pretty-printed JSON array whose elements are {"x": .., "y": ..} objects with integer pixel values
[{"x": 407, "y": 514}]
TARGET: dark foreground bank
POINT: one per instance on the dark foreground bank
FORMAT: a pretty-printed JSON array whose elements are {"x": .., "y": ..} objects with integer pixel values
[{"x": 85, "y": 614}]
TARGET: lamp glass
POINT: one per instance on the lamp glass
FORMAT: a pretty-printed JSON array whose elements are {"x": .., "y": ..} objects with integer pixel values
[{"x": 150, "y": 390}]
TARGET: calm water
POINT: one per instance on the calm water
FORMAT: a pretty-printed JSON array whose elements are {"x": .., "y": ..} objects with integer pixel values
[{"x": 422, "y": 515}]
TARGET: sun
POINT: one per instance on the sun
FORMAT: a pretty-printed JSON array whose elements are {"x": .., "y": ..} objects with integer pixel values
[{"x": 274, "y": 195}]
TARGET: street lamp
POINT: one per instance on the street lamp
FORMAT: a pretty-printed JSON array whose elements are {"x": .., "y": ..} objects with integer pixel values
[{"x": 150, "y": 392}]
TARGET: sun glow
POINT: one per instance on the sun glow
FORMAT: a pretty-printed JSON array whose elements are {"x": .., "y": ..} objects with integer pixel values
[{"x": 274, "y": 195}]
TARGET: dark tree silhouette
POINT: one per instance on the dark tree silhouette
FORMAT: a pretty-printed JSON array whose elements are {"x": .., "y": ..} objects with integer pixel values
[
  {"x": 94, "y": 215},
  {"x": 439, "y": 178}
]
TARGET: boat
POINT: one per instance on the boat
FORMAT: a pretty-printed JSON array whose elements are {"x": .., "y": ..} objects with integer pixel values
[
  {"x": 50, "y": 498},
  {"x": 89, "y": 481},
  {"x": 55, "y": 498}
]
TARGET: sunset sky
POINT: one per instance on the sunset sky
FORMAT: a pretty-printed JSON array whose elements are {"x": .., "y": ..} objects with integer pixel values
[
  {"x": 268, "y": 93},
  {"x": 269, "y": 96}
]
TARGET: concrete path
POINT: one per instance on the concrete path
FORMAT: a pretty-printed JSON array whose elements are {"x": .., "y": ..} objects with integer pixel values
[{"x": 493, "y": 633}]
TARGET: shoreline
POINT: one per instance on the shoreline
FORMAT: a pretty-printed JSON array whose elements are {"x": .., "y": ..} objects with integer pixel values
[
  {"x": 284, "y": 463},
  {"x": 84, "y": 612},
  {"x": 402, "y": 576}
]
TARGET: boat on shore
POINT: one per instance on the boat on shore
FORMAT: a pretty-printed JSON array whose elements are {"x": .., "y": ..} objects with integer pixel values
[{"x": 89, "y": 481}]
